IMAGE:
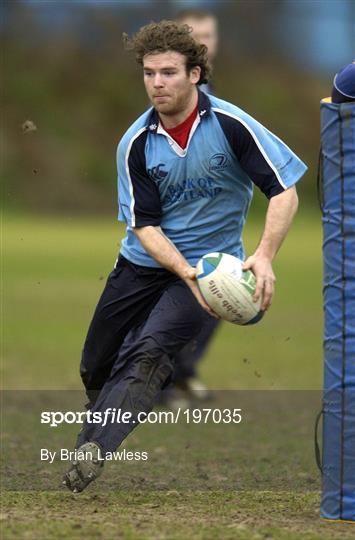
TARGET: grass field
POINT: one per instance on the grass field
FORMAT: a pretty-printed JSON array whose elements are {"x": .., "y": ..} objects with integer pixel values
[
  {"x": 255, "y": 480},
  {"x": 54, "y": 271}
]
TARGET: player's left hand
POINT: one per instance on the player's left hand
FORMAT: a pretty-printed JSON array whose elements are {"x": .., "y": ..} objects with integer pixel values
[{"x": 265, "y": 279}]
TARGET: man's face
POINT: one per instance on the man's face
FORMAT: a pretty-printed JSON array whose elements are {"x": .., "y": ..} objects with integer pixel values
[
  {"x": 205, "y": 32},
  {"x": 168, "y": 85}
]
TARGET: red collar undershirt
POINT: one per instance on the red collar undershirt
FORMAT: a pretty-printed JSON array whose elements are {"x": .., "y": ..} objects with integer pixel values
[{"x": 181, "y": 133}]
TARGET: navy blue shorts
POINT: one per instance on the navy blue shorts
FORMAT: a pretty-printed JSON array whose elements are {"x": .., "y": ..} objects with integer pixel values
[
  {"x": 139, "y": 307},
  {"x": 144, "y": 317}
]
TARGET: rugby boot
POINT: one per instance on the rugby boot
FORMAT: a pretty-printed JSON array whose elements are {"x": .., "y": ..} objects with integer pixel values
[{"x": 87, "y": 466}]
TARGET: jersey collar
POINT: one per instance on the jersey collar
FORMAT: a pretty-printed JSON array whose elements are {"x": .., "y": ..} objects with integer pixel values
[{"x": 203, "y": 105}]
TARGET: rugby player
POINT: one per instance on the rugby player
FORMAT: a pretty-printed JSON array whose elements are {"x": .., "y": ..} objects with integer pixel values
[{"x": 186, "y": 170}]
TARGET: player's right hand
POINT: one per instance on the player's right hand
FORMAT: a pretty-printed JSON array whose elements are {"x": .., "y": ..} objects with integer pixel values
[{"x": 190, "y": 280}]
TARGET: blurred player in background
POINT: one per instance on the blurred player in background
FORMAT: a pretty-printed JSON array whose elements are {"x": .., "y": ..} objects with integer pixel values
[
  {"x": 204, "y": 26},
  {"x": 186, "y": 383}
]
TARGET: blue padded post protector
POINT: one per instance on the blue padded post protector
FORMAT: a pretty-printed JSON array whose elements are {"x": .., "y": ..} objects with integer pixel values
[{"x": 338, "y": 208}]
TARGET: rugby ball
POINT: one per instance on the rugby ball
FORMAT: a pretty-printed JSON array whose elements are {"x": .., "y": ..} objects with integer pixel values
[{"x": 227, "y": 289}]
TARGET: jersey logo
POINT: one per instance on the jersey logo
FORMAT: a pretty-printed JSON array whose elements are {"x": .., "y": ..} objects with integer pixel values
[
  {"x": 218, "y": 162},
  {"x": 157, "y": 173}
]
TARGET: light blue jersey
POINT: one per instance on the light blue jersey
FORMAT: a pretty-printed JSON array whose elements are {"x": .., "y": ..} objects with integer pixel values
[{"x": 199, "y": 195}]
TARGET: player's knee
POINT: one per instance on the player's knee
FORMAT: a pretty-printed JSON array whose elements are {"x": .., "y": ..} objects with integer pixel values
[
  {"x": 93, "y": 371},
  {"x": 155, "y": 367}
]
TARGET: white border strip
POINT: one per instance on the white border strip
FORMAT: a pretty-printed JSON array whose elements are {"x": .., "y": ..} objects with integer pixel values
[
  {"x": 262, "y": 151},
  {"x": 131, "y": 206}
]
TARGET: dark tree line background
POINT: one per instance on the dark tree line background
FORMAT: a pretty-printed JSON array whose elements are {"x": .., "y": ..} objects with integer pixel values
[{"x": 67, "y": 75}]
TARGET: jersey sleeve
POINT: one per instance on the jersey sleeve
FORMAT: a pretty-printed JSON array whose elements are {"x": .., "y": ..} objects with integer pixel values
[
  {"x": 138, "y": 196},
  {"x": 267, "y": 160}
]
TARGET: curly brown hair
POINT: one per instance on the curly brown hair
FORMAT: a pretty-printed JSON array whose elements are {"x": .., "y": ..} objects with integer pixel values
[{"x": 170, "y": 36}]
